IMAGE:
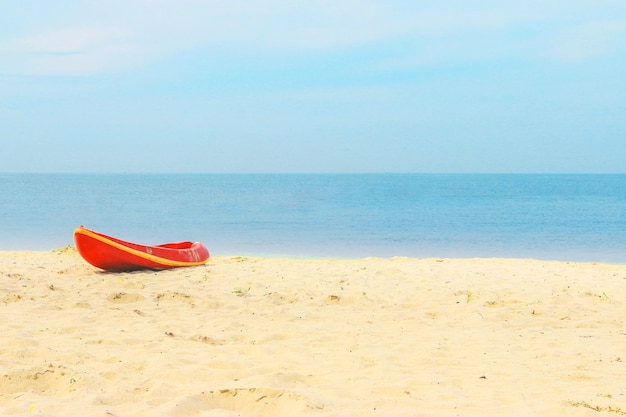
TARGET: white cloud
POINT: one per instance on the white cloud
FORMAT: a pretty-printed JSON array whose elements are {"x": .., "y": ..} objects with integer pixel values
[
  {"x": 294, "y": 26},
  {"x": 76, "y": 51},
  {"x": 129, "y": 34},
  {"x": 589, "y": 40},
  {"x": 68, "y": 41}
]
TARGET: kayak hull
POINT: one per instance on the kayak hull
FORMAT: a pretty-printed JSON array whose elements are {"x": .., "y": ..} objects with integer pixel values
[{"x": 112, "y": 254}]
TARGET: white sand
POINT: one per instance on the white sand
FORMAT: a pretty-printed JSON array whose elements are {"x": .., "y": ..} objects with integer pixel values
[{"x": 285, "y": 337}]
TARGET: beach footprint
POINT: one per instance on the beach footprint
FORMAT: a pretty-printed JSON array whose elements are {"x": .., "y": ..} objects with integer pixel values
[
  {"x": 124, "y": 298},
  {"x": 175, "y": 297},
  {"x": 248, "y": 402},
  {"x": 50, "y": 381},
  {"x": 12, "y": 298}
]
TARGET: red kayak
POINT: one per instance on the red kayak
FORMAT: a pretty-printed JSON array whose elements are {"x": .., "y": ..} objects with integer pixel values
[{"x": 111, "y": 254}]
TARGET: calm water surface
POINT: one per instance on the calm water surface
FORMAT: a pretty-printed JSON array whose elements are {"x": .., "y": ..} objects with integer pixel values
[{"x": 565, "y": 217}]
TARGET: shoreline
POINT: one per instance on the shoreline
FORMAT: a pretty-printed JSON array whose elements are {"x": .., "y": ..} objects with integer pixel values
[
  {"x": 288, "y": 257},
  {"x": 259, "y": 336}
]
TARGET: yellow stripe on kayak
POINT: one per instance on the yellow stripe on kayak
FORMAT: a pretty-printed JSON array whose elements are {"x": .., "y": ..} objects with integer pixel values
[{"x": 135, "y": 252}]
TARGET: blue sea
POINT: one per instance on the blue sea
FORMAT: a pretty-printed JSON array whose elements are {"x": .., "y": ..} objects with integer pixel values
[{"x": 561, "y": 217}]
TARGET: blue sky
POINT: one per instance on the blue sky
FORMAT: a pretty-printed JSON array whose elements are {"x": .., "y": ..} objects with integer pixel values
[{"x": 313, "y": 86}]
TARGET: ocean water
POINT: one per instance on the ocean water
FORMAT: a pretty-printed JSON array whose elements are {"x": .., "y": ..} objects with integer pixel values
[{"x": 563, "y": 217}]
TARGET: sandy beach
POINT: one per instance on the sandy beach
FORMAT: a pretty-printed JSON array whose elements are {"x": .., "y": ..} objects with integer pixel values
[{"x": 253, "y": 337}]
